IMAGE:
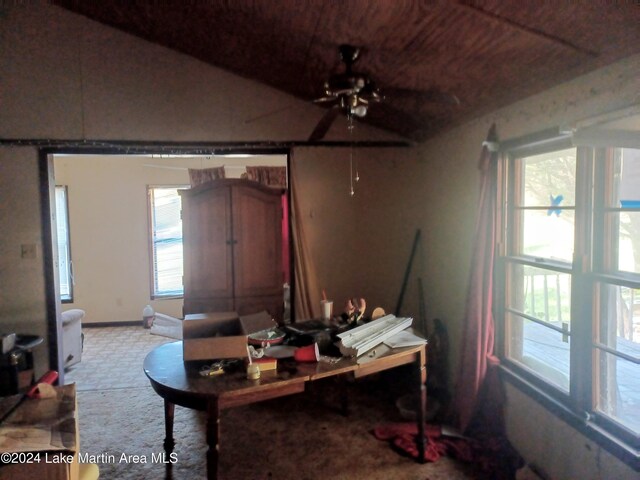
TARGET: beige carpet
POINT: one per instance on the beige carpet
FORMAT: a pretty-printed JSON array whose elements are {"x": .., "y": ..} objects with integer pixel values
[{"x": 297, "y": 437}]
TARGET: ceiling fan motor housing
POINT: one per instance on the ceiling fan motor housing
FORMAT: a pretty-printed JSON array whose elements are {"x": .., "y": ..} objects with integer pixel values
[
  {"x": 346, "y": 84},
  {"x": 350, "y": 93}
]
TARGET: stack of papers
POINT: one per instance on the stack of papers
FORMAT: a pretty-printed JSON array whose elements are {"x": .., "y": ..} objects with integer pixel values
[
  {"x": 361, "y": 339},
  {"x": 404, "y": 339}
]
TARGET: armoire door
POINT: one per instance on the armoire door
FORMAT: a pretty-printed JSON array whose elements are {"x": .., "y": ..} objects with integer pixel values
[
  {"x": 232, "y": 237},
  {"x": 208, "y": 262},
  {"x": 257, "y": 251}
]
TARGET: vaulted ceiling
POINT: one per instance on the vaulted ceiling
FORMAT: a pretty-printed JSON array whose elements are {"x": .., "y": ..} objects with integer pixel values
[{"x": 486, "y": 53}]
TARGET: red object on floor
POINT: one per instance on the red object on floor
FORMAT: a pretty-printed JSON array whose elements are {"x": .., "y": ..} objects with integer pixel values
[
  {"x": 403, "y": 437},
  {"x": 492, "y": 454}
]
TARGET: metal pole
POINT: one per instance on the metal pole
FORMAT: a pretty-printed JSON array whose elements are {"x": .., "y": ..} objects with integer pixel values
[{"x": 407, "y": 272}]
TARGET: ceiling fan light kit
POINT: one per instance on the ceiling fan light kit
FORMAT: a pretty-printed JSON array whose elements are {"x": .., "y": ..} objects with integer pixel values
[{"x": 352, "y": 94}]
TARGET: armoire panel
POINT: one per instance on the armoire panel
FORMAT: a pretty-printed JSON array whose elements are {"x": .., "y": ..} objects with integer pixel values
[
  {"x": 258, "y": 251},
  {"x": 207, "y": 234},
  {"x": 232, "y": 232}
]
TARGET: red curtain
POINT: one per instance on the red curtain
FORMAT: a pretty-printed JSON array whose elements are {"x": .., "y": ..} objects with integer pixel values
[
  {"x": 478, "y": 385},
  {"x": 286, "y": 261}
]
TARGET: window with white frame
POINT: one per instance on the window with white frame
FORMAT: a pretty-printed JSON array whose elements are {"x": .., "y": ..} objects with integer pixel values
[
  {"x": 166, "y": 241},
  {"x": 569, "y": 309},
  {"x": 65, "y": 266}
]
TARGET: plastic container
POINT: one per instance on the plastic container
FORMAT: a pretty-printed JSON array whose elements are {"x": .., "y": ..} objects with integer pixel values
[{"x": 148, "y": 316}]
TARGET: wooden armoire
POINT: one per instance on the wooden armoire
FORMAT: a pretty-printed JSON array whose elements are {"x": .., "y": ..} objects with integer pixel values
[{"x": 232, "y": 236}]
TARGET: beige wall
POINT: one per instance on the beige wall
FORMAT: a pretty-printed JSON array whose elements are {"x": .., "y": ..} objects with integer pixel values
[
  {"x": 67, "y": 77},
  {"x": 360, "y": 245},
  {"x": 22, "y": 294}
]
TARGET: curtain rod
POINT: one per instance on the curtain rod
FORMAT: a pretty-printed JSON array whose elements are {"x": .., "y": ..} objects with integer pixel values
[{"x": 606, "y": 117}]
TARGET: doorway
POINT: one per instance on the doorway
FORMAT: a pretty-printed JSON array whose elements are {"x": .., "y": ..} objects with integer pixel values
[{"x": 117, "y": 256}]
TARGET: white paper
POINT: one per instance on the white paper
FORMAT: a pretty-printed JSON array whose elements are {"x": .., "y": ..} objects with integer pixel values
[
  {"x": 404, "y": 339},
  {"x": 359, "y": 340}
]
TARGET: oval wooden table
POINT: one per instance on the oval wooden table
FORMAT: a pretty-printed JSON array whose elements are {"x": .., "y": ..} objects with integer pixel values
[{"x": 181, "y": 385}]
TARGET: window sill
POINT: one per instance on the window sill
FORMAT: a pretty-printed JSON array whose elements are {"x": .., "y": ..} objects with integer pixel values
[
  {"x": 624, "y": 452},
  {"x": 167, "y": 297}
]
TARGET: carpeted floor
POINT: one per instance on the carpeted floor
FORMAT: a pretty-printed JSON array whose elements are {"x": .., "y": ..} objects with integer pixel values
[{"x": 298, "y": 437}]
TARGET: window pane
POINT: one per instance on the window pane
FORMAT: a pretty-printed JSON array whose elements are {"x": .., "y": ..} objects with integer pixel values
[
  {"x": 549, "y": 235},
  {"x": 618, "y": 385},
  {"x": 64, "y": 253},
  {"x": 550, "y": 179},
  {"x": 545, "y": 203},
  {"x": 627, "y": 195},
  {"x": 168, "y": 268},
  {"x": 541, "y": 293},
  {"x": 625, "y": 225},
  {"x": 619, "y": 392},
  {"x": 167, "y": 241},
  {"x": 540, "y": 349},
  {"x": 620, "y": 318},
  {"x": 625, "y": 228}
]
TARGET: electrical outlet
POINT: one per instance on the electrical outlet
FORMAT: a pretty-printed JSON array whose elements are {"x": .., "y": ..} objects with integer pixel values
[{"x": 28, "y": 251}]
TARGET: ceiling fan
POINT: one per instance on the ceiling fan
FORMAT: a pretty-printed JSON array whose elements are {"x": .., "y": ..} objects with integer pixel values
[{"x": 352, "y": 93}]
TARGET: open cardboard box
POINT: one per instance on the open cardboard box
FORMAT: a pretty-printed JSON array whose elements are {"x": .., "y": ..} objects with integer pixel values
[{"x": 218, "y": 335}]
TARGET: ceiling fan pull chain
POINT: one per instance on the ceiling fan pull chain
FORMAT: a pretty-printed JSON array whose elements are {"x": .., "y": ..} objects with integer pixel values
[
  {"x": 352, "y": 192},
  {"x": 350, "y": 128},
  {"x": 357, "y": 178}
]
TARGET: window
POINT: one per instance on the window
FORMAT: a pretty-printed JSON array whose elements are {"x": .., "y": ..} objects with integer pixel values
[
  {"x": 166, "y": 241},
  {"x": 616, "y": 287},
  {"x": 569, "y": 297},
  {"x": 65, "y": 266}
]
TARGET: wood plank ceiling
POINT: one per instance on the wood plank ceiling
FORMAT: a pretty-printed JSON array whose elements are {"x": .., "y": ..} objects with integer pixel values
[{"x": 487, "y": 53}]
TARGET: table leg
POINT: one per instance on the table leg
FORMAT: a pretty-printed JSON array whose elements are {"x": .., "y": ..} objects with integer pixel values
[
  {"x": 213, "y": 438},
  {"x": 169, "y": 443},
  {"x": 422, "y": 403},
  {"x": 344, "y": 395}
]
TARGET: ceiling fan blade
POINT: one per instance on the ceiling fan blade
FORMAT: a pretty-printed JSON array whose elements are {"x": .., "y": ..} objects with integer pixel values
[
  {"x": 325, "y": 99},
  {"x": 268, "y": 114},
  {"x": 324, "y": 124},
  {"x": 432, "y": 95}
]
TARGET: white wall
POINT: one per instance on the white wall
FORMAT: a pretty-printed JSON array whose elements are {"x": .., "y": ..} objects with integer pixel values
[{"x": 109, "y": 229}]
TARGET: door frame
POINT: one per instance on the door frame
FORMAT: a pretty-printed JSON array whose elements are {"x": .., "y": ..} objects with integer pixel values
[{"x": 53, "y": 304}]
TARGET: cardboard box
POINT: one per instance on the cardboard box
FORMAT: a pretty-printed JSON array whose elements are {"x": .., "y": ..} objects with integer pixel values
[
  {"x": 218, "y": 335},
  {"x": 256, "y": 322}
]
